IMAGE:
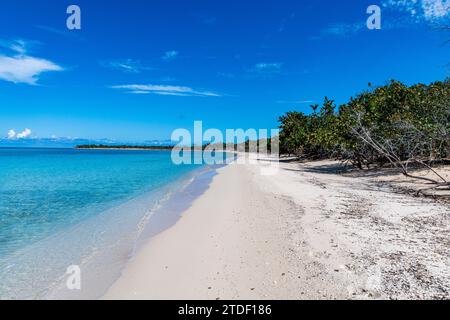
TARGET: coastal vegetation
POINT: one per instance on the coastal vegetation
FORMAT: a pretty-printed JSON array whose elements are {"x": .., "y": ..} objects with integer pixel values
[{"x": 398, "y": 125}]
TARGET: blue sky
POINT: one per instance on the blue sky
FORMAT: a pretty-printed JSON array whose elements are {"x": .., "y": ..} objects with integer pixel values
[{"x": 139, "y": 69}]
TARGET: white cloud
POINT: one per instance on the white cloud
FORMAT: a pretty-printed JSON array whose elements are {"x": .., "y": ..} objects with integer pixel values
[
  {"x": 24, "y": 134},
  {"x": 139, "y": 92},
  {"x": 435, "y": 9},
  {"x": 20, "y": 135},
  {"x": 11, "y": 134},
  {"x": 421, "y": 10},
  {"x": 170, "y": 55},
  {"x": 399, "y": 14},
  {"x": 22, "y": 68},
  {"x": 127, "y": 65},
  {"x": 165, "y": 90}
]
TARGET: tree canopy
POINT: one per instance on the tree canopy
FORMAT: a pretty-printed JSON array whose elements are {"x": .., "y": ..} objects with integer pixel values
[{"x": 392, "y": 123}]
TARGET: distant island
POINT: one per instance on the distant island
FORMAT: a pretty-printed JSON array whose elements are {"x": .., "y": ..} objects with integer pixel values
[
  {"x": 124, "y": 147},
  {"x": 245, "y": 146}
]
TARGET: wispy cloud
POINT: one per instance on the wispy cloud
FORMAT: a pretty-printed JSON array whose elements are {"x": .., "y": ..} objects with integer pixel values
[
  {"x": 61, "y": 32},
  {"x": 436, "y": 9},
  {"x": 264, "y": 70},
  {"x": 343, "y": 29},
  {"x": 53, "y": 30},
  {"x": 397, "y": 14},
  {"x": 19, "y": 67},
  {"x": 165, "y": 90},
  {"x": 18, "y": 46},
  {"x": 267, "y": 68},
  {"x": 170, "y": 55},
  {"x": 127, "y": 65},
  {"x": 420, "y": 10},
  {"x": 19, "y": 135}
]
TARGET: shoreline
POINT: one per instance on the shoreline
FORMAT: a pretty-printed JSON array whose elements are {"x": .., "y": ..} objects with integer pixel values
[
  {"x": 161, "y": 215},
  {"x": 100, "y": 245},
  {"x": 304, "y": 233},
  {"x": 126, "y": 149},
  {"x": 168, "y": 214}
]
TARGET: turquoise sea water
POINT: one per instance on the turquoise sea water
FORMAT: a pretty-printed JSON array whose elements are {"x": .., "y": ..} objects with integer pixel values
[{"x": 62, "y": 207}]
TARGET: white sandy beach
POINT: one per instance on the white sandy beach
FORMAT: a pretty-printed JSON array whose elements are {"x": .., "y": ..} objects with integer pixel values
[{"x": 303, "y": 233}]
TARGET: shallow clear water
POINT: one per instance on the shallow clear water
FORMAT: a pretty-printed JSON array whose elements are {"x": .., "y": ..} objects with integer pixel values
[{"x": 60, "y": 207}]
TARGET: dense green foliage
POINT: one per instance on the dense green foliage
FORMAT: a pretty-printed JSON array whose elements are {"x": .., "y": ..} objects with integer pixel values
[{"x": 393, "y": 123}]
